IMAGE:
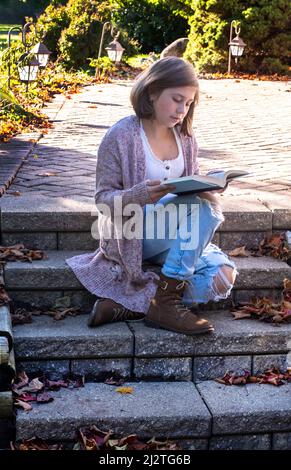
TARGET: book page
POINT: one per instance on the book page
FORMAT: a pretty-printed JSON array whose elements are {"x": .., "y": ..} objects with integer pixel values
[
  {"x": 197, "y": 183},
  {"x": 227, "y": 175}
]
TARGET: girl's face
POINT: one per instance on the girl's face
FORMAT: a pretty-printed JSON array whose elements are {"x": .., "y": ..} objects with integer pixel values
[{"x": 172, "y": 105}]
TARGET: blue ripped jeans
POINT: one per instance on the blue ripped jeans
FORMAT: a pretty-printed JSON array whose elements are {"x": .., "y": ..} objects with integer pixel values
[{"x": 178, "y": 230}]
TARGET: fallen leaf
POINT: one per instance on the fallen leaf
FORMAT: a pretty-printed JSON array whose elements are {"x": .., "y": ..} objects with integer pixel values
[
  {"x": 35, "y": 443},
  {"x": 55, "y": 384},
  {"x": 240, "y": 251},
  {"x": 18, "y": 252},
  {"x": 124, "y": 389},
  {"x": 33, "y": 386},
  {"x": 271, "y": 376},
  {"x": 25, "y": 396},
  {"x": 22, "y": 404},
  {"x": 240, "y": 315},
  {"x": 62, "y": 302},
  {"x": 4, "y": 297},
  {"x": 21, "y": 380},
  {"x": 44, "y": 398},
  {"x": 275, "y": 245},
  {"x": 114, "y": 381},
  {"x": 265, "y": 309}
]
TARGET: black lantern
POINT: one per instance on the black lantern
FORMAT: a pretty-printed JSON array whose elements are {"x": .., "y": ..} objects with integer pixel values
[
  {"x": 27, "y": 67},
  {"x": 236, "y": 45},
  {"x": 42, "y": 53},
  {"x": 115, "y": 49}
]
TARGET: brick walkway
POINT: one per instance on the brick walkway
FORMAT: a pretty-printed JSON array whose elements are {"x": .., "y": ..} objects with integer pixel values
[{"x": 238, "y": 124}]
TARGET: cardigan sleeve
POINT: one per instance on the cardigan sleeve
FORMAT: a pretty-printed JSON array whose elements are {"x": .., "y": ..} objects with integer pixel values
[
  {"x": 195, "y": 163},
  {"x": 109, "y": 181}
]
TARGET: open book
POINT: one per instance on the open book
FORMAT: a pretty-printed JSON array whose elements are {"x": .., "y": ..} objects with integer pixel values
[{"x": 197, "y": 183}]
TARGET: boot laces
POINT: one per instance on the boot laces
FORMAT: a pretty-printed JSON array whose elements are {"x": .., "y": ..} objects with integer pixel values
[
  {"x": 122, "y": 314},
  {"x": 181, "y": 308},
  {"x": 181, "y": 285}
]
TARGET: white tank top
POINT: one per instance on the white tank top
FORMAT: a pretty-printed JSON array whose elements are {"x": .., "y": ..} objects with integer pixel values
[{"x": 157, "y": 169}]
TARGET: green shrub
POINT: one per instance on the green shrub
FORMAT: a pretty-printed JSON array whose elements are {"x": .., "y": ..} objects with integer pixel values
[
  {"x": 10, "y": 57},
  {"x": 265, "y": 28},
  {"x": 50, "y": 26},
  {"x": 73, "y": 31},
  {"x": 153, "y": 23},
  {"x": 79, "y": 41},
  {"x": 103, "y": 67}
]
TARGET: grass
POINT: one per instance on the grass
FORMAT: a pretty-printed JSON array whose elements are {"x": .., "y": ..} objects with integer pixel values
[{"x": 4, "y": 28}]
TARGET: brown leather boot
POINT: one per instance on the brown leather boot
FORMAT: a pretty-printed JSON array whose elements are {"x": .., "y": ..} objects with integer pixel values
[
  {"x": 167, "y": 310},
  {"x": 108, "y": 311}
]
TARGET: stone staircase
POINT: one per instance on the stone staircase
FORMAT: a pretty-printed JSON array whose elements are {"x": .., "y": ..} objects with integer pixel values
[
  {"x": 174, "y": 395},
  {"x": 7, "y": 374}
]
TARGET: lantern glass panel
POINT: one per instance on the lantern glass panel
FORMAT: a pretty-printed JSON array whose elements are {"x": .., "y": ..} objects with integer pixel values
[
  {"x": 43, "y": 59},
  {"x": 237, "y": 50},
  {"x": 114, "y": 55},
  {"x": 28, "y": 73}
]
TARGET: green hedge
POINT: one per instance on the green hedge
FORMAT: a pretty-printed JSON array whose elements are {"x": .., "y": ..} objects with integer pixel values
[
  {"x": 153, "y": 23},
  {"x": 73, "y": 31},
  {"x": 265, "y": 28}
]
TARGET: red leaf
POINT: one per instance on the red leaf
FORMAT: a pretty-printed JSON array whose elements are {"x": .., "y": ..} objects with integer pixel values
[{"x": 44, "y": 398}]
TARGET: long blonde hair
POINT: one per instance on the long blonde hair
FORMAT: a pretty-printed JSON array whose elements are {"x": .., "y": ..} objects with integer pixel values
[{"x": 170, "y": 72}]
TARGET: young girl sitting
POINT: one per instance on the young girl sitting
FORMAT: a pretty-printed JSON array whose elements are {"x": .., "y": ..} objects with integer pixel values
[{"x": 136, "y": 156}]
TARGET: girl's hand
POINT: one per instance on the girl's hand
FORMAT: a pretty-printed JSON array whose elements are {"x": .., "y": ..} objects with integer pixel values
[
  {"x": 210, "y": 196},
  {"x": 158, "y": 190},
  {"x": 219, "y": 191}
]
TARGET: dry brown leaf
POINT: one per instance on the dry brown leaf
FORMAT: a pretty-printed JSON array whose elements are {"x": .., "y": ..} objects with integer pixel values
[
  {"x": 18, "y": 252},
  {"x": 240, "y": 315},
  {"x": 21, "y": 380},
  {"x": 265, "y": 309},
  {"x": 114, "y": 381},
  {"x": 275, "y": 245},
  {"x": 4, "y": 297},
  {"x": 35, "y": 443},
  {"x": 33, "y": 386},
  {"x": 271, "y": 376},
  {"x": 22, "y": 404},
  {"x": 240, "y": 252}
]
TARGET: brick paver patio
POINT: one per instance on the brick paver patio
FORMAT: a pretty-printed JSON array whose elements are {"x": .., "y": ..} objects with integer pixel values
[{"x": 238, "y": 124}]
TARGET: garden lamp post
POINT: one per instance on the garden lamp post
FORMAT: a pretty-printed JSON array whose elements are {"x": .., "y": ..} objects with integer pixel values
[
  {"x": 14, "y": 28},
  {"x": 236, "y": 44},
  {"x": 29, "y": 62},
  {"x": 42, "y": 53},
  {"x": 27, "y": 68},
  {"x": 115, "y": 49}
]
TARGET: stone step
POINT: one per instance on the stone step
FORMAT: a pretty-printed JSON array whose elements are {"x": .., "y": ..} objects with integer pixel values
[
  {"x": 208, "y": 415},
  {"x": 42, "y": 281},
  {"x": 132, "y": 350},
  {"x": 66, "y": 224}
]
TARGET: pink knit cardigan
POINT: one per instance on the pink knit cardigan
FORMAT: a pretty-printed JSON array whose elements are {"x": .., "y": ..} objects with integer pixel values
[{"x": 114, "y": 270}]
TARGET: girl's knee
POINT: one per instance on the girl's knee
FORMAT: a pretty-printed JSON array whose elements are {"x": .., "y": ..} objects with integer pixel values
[
  {"x": 224, "y": 279},
  {"x": 229, "y": 272}
]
